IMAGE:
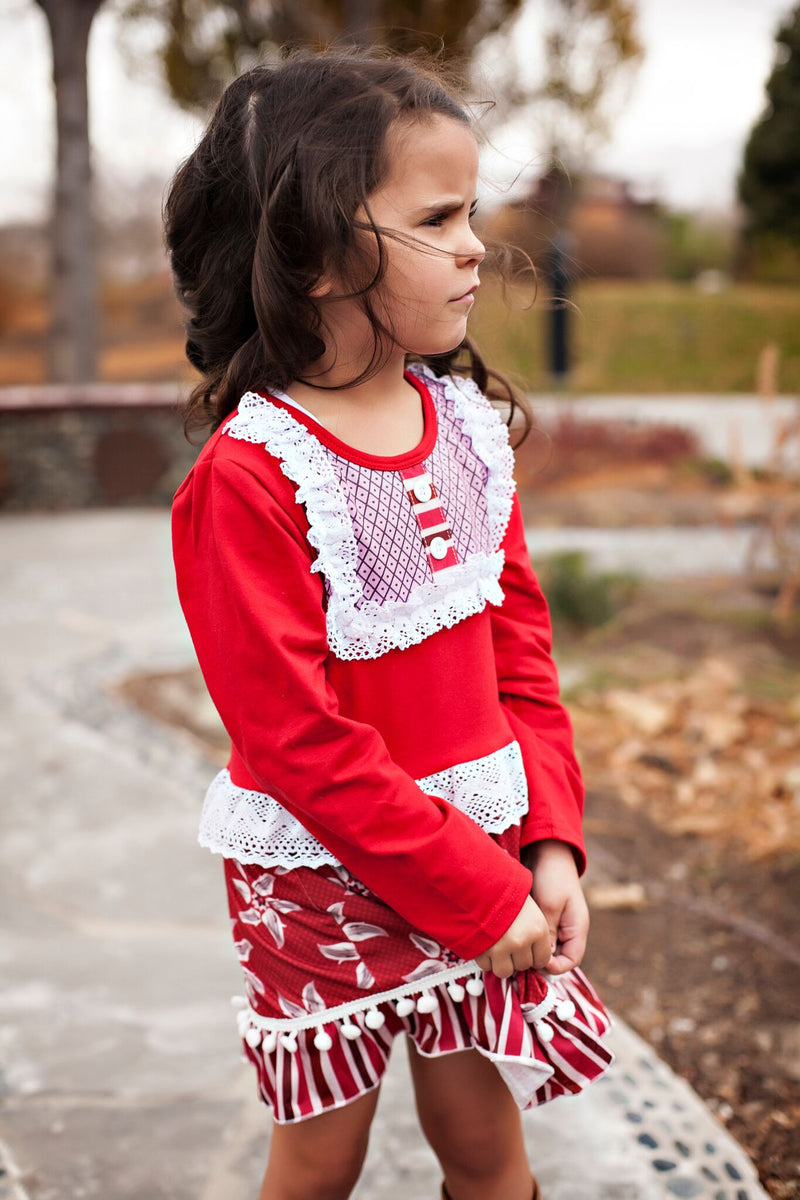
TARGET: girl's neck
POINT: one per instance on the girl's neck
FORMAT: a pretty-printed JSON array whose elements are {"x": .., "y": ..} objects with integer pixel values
[{"x": 383, "y": 415}]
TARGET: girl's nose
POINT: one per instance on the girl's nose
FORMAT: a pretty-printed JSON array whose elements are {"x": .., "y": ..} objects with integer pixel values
[{"x": 474, "y": 250}]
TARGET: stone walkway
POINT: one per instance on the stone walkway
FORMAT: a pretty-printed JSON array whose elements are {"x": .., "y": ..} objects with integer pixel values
[{"x": 119, "y": 1069}]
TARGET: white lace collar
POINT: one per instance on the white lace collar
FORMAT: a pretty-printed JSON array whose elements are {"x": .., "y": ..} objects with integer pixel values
[{"x": 359, "y": 629}]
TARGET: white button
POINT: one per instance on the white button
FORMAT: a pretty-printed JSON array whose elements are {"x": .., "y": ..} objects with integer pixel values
[
  {"x": 423, "y": 492},
  {"x": 439, "y": 548}
]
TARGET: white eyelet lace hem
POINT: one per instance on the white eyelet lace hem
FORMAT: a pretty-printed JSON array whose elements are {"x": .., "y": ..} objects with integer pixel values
[
  {"x": 364, "y": 629},
  {"x": 254, "y": 828}
]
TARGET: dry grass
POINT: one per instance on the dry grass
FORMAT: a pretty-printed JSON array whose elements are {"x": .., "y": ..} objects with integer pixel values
[
  {"x": 657, "y": 337},
  {"x": 141, "y": 337},
  {"x": 628, "y": 337}
]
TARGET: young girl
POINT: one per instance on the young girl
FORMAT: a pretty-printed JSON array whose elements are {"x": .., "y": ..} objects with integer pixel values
[{"x": 400, "y": 817}]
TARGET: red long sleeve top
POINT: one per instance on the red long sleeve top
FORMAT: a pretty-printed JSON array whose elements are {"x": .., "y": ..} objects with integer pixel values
[{"x": 346, "y": 616}]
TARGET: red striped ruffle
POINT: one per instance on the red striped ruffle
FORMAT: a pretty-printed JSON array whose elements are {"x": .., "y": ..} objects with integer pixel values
[{"x": 542, "y": 1050}]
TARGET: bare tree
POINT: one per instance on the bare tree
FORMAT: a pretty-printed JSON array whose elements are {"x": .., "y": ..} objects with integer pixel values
[
  {"x": 563, "y": 64},
  {"x": 206, "y": 42},
  {"x": 590, "y": 47},
  {"x": 73, "y": 289}
]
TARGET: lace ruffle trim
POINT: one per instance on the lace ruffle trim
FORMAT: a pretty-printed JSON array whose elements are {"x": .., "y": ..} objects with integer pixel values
[
  {"x": 359, "y": 629},
  {"x": 253, "y": 827}
]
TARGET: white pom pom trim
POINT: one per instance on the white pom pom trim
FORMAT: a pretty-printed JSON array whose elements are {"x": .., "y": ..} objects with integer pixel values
[{"x": 349, "y": 1020}]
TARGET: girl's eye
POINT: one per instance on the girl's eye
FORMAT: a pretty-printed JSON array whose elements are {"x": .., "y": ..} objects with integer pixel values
[{"x": 438, "y": 219}]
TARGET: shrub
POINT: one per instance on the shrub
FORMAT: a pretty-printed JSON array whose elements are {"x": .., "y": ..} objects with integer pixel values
[{"x": 581, "y": 597}]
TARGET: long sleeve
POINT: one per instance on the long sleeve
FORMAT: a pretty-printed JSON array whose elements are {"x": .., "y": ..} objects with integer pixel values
[
  {"x": 528, "y": 685},
  {"x": 255, "y": 611}
]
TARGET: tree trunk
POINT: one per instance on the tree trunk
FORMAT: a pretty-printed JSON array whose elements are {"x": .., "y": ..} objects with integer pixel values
[{"x": 73, "y": 283}]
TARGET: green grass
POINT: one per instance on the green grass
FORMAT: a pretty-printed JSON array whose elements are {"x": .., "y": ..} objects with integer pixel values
[{"x": 653, "y": 337}]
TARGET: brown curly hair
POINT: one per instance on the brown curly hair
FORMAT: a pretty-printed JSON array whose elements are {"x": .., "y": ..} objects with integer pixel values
[{"x": 268, "y": 200}]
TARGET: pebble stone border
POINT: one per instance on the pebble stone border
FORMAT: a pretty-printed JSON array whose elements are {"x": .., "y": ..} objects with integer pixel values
[{"x": 691, "y": 1154}]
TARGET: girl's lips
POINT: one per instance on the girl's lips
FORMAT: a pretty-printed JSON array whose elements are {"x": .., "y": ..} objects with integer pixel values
[{"x": 468, "y": 297}]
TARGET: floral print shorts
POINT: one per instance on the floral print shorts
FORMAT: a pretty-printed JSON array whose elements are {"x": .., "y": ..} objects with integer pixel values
[{"x": 332, "y": 975}]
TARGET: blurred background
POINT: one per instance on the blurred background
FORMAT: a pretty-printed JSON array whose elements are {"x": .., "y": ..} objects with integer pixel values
[{"x": 645, "y": 157}]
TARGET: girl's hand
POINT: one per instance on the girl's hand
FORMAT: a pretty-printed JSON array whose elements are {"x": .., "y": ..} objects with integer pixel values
[
  {"x": 526, "y": 943},
  {"x": 557, "y": 892}
]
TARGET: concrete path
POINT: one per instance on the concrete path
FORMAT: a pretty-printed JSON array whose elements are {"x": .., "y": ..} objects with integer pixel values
[{"x": 119, "y": 1064}]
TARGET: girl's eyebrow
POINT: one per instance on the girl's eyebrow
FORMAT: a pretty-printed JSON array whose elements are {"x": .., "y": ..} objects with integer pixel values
[{"x": 445, "y": 206}]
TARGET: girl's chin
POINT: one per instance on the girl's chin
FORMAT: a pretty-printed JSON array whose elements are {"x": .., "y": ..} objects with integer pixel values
[{"x": 443, "y": 345}]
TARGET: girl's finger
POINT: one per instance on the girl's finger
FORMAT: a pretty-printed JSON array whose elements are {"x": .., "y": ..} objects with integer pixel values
[
  {"x": 542, "y": 952},
  {"x": 569, "y": 954},
  {"x": 559, "y": 964},
  {"x": 522, "y": 959}
]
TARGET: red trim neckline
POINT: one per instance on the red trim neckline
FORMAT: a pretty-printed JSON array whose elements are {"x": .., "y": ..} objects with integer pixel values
[{"x": 378, "y": 462}]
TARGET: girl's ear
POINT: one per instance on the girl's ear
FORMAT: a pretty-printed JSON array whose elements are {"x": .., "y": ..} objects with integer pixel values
[
  {"x": 322, "y": 288},
  {"x": 327, "y": 281}
]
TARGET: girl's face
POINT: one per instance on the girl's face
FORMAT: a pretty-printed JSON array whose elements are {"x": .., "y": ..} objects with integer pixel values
[
  {"x": 424, "y": 205},
  {"x": 427, "y": 200}
]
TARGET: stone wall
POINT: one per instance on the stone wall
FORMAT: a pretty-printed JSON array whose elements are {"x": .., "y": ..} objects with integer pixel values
[{"x": 91, "y": 445}]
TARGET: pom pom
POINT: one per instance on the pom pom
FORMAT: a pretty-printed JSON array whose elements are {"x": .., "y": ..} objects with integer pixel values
[
  {"x": 544, "y": 1032},
  {"x": 289, "y": 1042},
  {"x": 323, "y": 1040},
  {"x": 475, "y": 986},
  {"x": 253, "y": 1037},
  {"x": 374, "y": 1019},
  {"x": 238, "y": 1002},
  {"x": 404, "y": 1006},
  {"x": 270, "y": 1042},
  {"x": 351, "y": 1032},
  {"x": 456, "y": 992},
  {"x": 427, "y": 1003},
  {"x": 565, "y": 1010}
]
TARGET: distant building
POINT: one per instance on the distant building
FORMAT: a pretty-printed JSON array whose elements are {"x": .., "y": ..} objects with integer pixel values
[{"x": 612, "y": 232}]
